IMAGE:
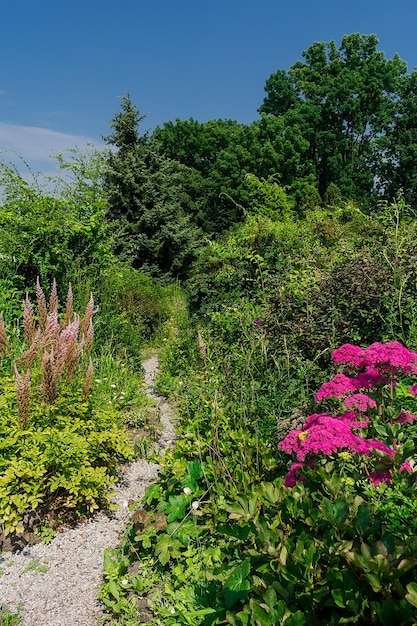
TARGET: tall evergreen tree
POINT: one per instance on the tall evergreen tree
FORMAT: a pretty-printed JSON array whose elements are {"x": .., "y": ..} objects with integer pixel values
[{"x": 150, "y": 209}]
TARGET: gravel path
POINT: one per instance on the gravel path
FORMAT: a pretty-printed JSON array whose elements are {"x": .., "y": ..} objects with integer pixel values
[{"x": 57, "y": 584}]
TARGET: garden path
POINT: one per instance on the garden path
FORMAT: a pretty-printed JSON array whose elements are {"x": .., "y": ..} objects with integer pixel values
[{"x": 57, "y": 584}]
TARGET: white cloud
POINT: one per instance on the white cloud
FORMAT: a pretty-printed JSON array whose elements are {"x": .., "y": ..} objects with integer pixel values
[{"x": 37, "y": 145}]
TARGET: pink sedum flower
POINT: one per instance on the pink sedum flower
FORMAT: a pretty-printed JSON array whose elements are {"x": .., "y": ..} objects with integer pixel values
[
  {"x": 349, "y": 354},
  {"x": 293, "y": 476},
  {"x": 413, "y": 390},
  {"x": 371, "y": 377},
  {"x": 405, "y": 467},
  {"x": 339, "y": 386},
  {"x": 324, "y": 434},
  {"x": 391, "y": 357},
  {"x": 359, "y": 401},
  {"x": 405, "y": 418},
  {"x": 380, "y": 477}
]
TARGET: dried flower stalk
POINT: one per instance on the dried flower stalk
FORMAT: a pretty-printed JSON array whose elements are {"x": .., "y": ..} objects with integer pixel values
[
  {"x": 4, "y": 341},
  {"x": 201, "y": 346}
]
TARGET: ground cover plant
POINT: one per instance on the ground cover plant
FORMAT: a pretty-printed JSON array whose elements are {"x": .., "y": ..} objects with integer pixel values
[
  {"x": 223, "y": 539},
  {"x": 60, "y": 446}
]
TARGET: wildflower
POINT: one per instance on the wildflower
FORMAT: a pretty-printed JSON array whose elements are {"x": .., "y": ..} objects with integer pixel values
[
  {"x": 346, "y": 456},
  {"x": 187, "y": 491},
  {"x": 195, "y": 505},
  {"x": 124, "y": 581},
  {"x": 257, "y": 322},
  {"x": 113, "y": 386},
  {"x": 97, "y": 380},
  {"x": 359, "y": 401},
  {"x": 413, "y": 390}
]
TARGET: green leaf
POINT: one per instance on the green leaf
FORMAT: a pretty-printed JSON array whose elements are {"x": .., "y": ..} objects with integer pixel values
[
  {"x": 374, "y": 581},
  {"x": 362, "y": 519},
  {"x": 297, "y": 619},
  {"x": 236, "y": 586},
  {"x": 195, "y": 470},
  {"x": 113, "y": 589},
  {"x": 411, "y": 596},
  {"x": 338, "y": 597}
]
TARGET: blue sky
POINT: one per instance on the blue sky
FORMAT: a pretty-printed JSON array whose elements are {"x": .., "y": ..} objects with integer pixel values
[{"x": 66, "y": 64}]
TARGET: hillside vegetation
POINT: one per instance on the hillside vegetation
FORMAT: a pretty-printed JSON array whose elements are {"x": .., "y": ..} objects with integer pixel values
[{"x": 273, "y": 267}]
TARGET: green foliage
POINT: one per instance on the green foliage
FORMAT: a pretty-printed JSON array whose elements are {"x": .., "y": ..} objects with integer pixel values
[
  {"x": 341, "y": 100},
  {"x": 148, "y": 204},
  {"x": 59, "y": 448},
  {"x": 42, "y": 235},
  {"x": 9, "y": 618}
]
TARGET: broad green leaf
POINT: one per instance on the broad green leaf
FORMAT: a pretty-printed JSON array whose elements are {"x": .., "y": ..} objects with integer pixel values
[
  {"x": 338, "y": 597},
  {"x": 237, "y": 587},
  {"x": 411, "y": 596}
]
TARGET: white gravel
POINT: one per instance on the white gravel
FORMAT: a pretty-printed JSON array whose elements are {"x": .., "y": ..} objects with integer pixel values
[{"x": 57, "y": 584}]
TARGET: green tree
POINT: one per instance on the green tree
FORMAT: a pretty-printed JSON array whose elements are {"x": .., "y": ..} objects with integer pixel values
[
  {"x": 398, "y": 170},
  {"x": 342, "y": 100},
  {"x": 151, "y": 206},
  {"x": 225, "y": 151}
]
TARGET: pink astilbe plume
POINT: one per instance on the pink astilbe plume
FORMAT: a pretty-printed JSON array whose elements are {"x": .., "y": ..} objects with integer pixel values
[
  {"x": 4, "y": 341},
  {"x": 29, "y": 324},
  {"x": 28, "y": 357},
  {"x": 49, "y": 383},
  {"x": 53, "y": 298},
  {"x": 69, "y": 310},
  {"x": 51, "y": 332},
  {"x": 42, "y": 309},
  {"x": 88, "y": 316},
  {"x": 89, "y": 338},
  {"x": 88, "y": 380},
  {"x": 72, "y": 351}
]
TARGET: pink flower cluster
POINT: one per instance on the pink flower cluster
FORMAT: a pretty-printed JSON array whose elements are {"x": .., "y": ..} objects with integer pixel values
[
  {"x": 373, "y": 367},
  {"x": 386, "y": 358},
  {"x": 325, "y": 434}
]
